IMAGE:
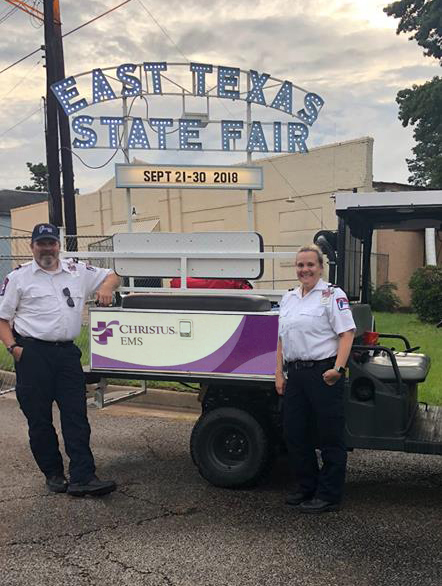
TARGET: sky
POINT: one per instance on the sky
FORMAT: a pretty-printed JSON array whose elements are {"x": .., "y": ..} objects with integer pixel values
[{"x": 345, "y": 51}]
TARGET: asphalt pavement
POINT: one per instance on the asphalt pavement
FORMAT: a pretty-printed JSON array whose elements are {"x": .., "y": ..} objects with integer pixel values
[{"x": 166, "y": 526}]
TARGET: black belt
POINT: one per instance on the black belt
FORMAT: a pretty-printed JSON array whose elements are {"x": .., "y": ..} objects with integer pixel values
[
  {"x": 26, "y": 339},
  {"x": 301, "y": 364}
]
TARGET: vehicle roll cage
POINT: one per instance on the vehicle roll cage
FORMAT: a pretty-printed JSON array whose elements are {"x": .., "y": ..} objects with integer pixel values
[{"x": 348, "y": 249}]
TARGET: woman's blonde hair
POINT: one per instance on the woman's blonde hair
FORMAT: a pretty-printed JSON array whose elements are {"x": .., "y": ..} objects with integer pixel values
[{"x": 313, "y": 248}]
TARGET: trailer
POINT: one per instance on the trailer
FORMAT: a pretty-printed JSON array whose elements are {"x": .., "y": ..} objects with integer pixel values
[{"x": 226, "y": 341}]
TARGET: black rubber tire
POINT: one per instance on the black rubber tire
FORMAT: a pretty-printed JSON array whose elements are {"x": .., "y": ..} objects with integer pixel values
[{"x": 230, "y": 448}]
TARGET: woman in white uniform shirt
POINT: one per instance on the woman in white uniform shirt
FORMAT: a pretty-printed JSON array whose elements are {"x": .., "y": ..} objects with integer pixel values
[{"x": 316, "y": 331}]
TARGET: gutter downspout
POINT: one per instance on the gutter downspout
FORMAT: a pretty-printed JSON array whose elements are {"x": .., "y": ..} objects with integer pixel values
[{"x": 430, "y": 246}]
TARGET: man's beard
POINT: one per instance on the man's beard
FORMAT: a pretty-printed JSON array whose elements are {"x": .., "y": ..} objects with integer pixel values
[{"x": 47, "y": 260}]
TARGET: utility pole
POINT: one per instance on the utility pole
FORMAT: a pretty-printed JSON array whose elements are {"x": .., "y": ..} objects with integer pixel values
[
  {"x": 54, "y": 187},
  {"x": 70, "y": 216},
  {"x": 58, "y": 120}
]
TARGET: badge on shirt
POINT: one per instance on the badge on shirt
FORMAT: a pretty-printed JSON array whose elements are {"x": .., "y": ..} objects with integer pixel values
[
  {"x": 342, "y": 303},
  {"x": 325, "y": 297},
  {"x": 72, "y": 268},
  {"x": 3, "y": 289}
]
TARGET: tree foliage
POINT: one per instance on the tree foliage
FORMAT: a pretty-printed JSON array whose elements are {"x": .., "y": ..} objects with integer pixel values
[
  {"x": 426, "y": 293},
  {"x": 384, "y": 298},
  {"x": 39, "y": 173},
  {"x": 420, "y": 106},
  {"x": 423, "y": 19}
]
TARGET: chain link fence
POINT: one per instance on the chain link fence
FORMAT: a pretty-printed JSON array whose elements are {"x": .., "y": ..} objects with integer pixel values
[{"x": 15, "y": 250}]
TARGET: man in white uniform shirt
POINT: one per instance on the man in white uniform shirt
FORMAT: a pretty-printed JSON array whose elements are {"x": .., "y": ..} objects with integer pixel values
[{"x": 41, "y": 305}]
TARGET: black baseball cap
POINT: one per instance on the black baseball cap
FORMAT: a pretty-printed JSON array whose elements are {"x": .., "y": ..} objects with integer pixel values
[{"x": 42, "y": 231}]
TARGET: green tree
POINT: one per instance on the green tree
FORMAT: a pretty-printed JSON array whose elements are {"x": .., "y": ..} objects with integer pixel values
[
  {"x": 423, "y": 18},
  {"x": 39, "y": 173},
  {"x": 420, "y": 106}
]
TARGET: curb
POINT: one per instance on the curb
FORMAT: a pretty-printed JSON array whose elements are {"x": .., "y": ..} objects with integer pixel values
[{"x": 155, "y": 398}]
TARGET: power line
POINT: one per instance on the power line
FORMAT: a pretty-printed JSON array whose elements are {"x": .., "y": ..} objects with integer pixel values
[
  {"x": 65, "y": 35},
  {"x": 21, "y": 80},
  {"x": 94, "y": 19},
  {"x": 5, "y": 17},
  {"x": 298, "y": 195},
  {"x": 21, "y": 122},
  {"x": 165, "y": 33}
]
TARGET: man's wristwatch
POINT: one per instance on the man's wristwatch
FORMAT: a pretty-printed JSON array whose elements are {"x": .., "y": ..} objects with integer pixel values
[
  {"x": 11, "y": 347},
  {"x": 339, "y": 369}
]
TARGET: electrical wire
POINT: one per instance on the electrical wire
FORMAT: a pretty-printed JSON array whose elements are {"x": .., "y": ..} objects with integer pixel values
[
  {"x": 120, "y": 140},
  {"x": 21, "y": 80},
  {"x": 91, "y": 166},
  {"x": 21, "y": 122},
  {"x": 299, "y": 196},
  {"x": 8, "y": 15},
  {"x": 96, "y": 18},
  {"x": 165, "y": 33},
  {"x": 16, "y": 229},
  {"x": 36, "y": 22},
  {"x": 65, "y": 35}
]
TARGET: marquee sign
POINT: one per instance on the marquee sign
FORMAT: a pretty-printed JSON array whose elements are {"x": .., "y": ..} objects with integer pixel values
[
  {"x": 188, "y": 176},
  {"x": 204, "y": 83}
]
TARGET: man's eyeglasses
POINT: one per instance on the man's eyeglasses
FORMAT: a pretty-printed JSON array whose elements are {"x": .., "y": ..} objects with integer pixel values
[{"x": 69, "y": 299}]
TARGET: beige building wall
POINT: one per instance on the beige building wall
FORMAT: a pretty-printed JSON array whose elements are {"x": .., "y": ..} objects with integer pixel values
[
  {"x": 24, "y": 219},
  {"x": 406, "y": 252},
  {"x": 294, "y": 204}
]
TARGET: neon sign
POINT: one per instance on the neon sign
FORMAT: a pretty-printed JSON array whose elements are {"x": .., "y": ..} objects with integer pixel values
[{"x": 202, "y": 82}]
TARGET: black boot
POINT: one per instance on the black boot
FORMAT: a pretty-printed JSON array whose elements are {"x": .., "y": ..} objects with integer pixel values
[
  {"x": 95, "y": 487},
  {"x": 316, "y": 506},
  {"x": 296, "y": 497},
  {"x": 57, "y": 482}
]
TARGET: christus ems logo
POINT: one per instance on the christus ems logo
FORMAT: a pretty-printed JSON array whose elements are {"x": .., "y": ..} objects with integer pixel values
[{"x": 104, "y": 331}]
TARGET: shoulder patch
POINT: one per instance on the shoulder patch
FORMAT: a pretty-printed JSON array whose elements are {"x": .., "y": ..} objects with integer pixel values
[{"x": 342, "y": 303}]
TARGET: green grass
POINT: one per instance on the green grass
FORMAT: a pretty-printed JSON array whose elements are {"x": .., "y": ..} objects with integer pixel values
[{"x": 428, "y": 337}]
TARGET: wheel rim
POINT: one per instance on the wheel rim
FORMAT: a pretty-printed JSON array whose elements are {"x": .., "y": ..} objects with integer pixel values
[{"x": 229, "y": 446}]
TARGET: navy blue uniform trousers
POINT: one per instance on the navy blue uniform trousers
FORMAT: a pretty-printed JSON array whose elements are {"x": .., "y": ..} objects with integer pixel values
[
  {"x": 313, "y": 417},
  {"x": 47, "y": 373}
]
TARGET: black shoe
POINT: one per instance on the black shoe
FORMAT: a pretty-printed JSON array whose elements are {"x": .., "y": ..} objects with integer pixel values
[
  {"x": 57, "y": 483},
  {"x": 95, "y": 487},
  {"x": 297, "y": 497},
  {"x": 316, "y": 506}
]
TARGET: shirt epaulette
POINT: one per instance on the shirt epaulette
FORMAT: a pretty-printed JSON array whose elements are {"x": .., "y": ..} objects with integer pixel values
[{"x": 17, "y": 267}]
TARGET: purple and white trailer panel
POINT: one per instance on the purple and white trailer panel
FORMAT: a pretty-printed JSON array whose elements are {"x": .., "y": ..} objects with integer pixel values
[{"x": 190, "y": 342}]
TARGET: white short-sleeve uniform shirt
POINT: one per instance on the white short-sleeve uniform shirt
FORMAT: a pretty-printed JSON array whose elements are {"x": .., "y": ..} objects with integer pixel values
[
  {"x": 309, "y": 326},
  {"x": 33, "y": 299}
]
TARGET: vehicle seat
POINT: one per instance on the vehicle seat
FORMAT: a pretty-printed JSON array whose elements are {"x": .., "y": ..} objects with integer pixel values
[{"x": 240, "y": 303}]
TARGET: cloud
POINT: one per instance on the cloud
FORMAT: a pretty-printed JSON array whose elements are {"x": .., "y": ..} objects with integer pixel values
[{"x": 347, "y": 52}]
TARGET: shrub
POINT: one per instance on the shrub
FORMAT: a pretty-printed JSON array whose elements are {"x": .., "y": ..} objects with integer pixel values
[
  {"x": 426, "y": 293},
  {"x": 384, "y": 298}
]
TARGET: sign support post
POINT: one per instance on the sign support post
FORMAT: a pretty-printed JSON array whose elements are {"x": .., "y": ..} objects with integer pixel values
[
  {"x": 126, "y": 156},
  {"x": 250, "y": 214}
]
